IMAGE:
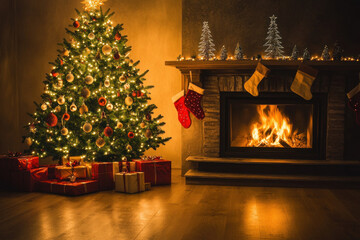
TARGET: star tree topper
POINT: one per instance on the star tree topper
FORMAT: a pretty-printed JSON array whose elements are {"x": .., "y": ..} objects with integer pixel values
[{"x": 92, "y": 4}]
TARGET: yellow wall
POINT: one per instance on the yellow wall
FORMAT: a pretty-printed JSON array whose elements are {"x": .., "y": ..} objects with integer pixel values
[{"x": 32, "y": 29}]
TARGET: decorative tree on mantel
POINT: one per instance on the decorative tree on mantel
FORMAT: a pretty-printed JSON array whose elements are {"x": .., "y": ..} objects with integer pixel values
[
  {"x": 273, "y": 43},
  {"x": 206, "y": 45},
  {"x": 94, "y": 103}
]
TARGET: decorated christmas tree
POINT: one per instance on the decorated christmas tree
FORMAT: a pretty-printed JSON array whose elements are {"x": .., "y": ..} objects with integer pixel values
[
  {"x": 223, "y": 53},
  {"x": 206, "y": 45},
  {"x": 238, "y": 53},
  {"x": 95, "y": 103},
  {"x": 306, "y": 55},
  {"x": 295, "y": 53},
  {"x": 325, "y": 54},
  {"x": 273, "y": 43}
]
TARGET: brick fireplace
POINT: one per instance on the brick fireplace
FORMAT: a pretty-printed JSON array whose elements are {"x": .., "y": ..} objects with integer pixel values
[{"x": 221, "y": 79}]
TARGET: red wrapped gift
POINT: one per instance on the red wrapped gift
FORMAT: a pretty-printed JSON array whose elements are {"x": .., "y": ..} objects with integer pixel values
[
  {"x": 26, "y": 180},
  {"x": 67, "y": 188},
  {"x": 103, "y": 172},
  {"x": 51, "y": 170},
  {"x": 25, "y": 163},
  {"x": 62, "y": 172},
  {"x": 158, "y": 172}
]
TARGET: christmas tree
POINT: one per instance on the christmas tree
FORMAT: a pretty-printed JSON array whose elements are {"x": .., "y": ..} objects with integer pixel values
[
  {"x": 325, "y": 54},
  {"x": 306, "y": 55},
  {"x": 94, "y": 104},
  {"x": 223, "y": 53},
  {"x": 273, "y": 43},
  {"x": 206, "y": 45},
  {"x": 238, "y": 52},
  {"x": 295, "y": 53}
]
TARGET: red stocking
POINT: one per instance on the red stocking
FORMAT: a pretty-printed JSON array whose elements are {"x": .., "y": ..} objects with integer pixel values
[
  {"x": 183, "y": 112},
  {"x": 354, "y": 101},
  {"x": 193, "y": 101}
]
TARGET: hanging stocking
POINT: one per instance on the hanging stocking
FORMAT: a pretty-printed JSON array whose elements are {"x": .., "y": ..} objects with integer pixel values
[
  {"x": 303, "y": 81},
  {"x": 183, "y": 112},
  {"x": 193, "y": 101},
  {"x": 354, "y": 101},
  {"x": 251, "y": 85}
]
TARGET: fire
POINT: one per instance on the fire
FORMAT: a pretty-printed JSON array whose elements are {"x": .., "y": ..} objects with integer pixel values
[{"x": 274, "y": 129}]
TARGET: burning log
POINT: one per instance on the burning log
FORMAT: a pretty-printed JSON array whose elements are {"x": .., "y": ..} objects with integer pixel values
[{"x": 284, "y": 144}]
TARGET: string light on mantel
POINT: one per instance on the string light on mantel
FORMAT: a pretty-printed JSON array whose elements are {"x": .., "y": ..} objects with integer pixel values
[{"x": 92, "y": 4}]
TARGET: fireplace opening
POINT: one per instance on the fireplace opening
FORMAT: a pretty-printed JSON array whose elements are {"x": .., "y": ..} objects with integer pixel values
[{"x": 276, "y": 125}]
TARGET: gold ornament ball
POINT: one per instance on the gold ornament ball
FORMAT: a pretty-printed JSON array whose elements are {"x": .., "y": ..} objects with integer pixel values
[
  {"x": 87, "y": 127},
  {"x": 100, "y": 142},
  {"x": 109, "y": 107},
  {"x": 28, "y": 141},
  {"x": 70, "y": 77},
  {"x": 129, "y": 147},
  {"x": 61, "y": 100},
  {"x": 85, "y": 92},
  {"x": 73, "y": 107},
  {"x": 122, "y": 78},
  {"x": 142, "y": 125},
  {"x": 64, "y": 131},
  {"x": 43, "y": 106},
  {"x": 106, "y": 49},
  {"x": 148, "y": 133},
  {"x": 129, "y": 101},
  {"x": 57, "y": 109},
  {"x": 83, "y": 109},
  {"x": 91, "y": 36},
  {"x": 126, "y": 86},
  {"x": 119, "y": 125},
  {"x": 107, "y": 83},
  {"x": 89, "y": 80}
]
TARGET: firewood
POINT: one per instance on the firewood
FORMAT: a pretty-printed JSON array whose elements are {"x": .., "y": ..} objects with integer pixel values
[{"x": 284, "y": 144}]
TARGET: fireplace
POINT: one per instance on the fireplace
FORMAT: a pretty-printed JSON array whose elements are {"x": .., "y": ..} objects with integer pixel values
[{"x": 273, "y": 125}]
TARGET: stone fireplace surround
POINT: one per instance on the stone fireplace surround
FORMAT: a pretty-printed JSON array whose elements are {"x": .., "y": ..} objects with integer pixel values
[{"x": 203, "y": 137}]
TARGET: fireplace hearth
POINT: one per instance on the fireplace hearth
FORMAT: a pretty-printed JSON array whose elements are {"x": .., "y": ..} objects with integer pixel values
[{"x": 273, "y": 125}]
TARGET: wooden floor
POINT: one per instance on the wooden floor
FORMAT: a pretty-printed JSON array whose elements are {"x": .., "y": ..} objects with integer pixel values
[{"x": 184, "y": 211}]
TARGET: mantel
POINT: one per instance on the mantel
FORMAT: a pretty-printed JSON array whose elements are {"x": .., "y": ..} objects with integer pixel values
[{"x": 187, "y": 65}]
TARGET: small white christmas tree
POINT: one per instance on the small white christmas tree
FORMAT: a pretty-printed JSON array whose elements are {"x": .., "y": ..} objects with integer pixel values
[
  {"x": 206, "y": 45},
  {"x": 325, "y": 54},
  {"x": 306, "y": 55},
  {"x": 295, "y": 53},
  {"x": 238, "y": 52},
  {"x": 273, "y": 43},
  {"x": 223, "y": 53}
]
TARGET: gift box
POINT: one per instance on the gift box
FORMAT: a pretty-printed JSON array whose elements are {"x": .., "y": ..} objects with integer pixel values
[
  {"x": 129, "y": 182},
  {"x": 157, "y": 172},
  {"x": 62, "y": 172},
  {"x": 26, "y": 180},
  {"x": 51, "y": 170},
  {"x": 103, "y": 172},
  {"x": 25, "y": 163},
  {"x": 67, "y": 188}
]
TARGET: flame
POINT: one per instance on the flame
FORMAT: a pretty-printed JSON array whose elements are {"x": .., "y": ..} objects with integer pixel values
[{"x": 274, "y": 129}]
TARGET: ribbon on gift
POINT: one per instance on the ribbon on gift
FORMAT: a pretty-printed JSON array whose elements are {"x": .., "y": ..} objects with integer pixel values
[{"x": 151, "y": 158}]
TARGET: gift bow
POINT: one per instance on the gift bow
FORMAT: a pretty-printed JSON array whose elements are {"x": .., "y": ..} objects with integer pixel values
[{"x": 150, "y": 158}]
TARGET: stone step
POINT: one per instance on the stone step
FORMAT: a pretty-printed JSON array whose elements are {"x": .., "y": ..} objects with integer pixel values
[
  {"x": 195, "y": 177},
  {"x": 275, "y": 166}
]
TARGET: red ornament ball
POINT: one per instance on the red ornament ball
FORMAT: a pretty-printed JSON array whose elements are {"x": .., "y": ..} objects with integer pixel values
[
  {"x": 131, "y": 135},
  {"x": 51, "y": 120},
  {"x": 54, "y": 73},
  {"x": 148, "y": 116},
  {"x": 116, "y": 56},
  {"x": 76, "y": 24},
  {"x": 102, "y": 101},
  {"x": 94, "y": 19},
  {"x": 134, "y": 94},
  {"x": 108, "y": 131},
  {"x": 117, "y": 36},
  {"x": 61, "y": 62},
  {"x": 118, "y": 94},
  {"x": 66, "y": 116}
]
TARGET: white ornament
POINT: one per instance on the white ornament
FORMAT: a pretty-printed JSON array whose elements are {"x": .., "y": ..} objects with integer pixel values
[
  {"x": 106, "y": 49},
  {"x": 61, "y": 100},
  {"x": 70, "y": 77},
  {"x": 109, "y": 107},
  {"x": 126, "y": 86},
  {"x": 89, "y": 80},
  {"x": 206, "y": 45},
  {"x": 73, "y": 107},
  {"x": 43, "y": 106},
  {"x": 91, "y": 36},
  {"x": 273, "y": 43}
]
